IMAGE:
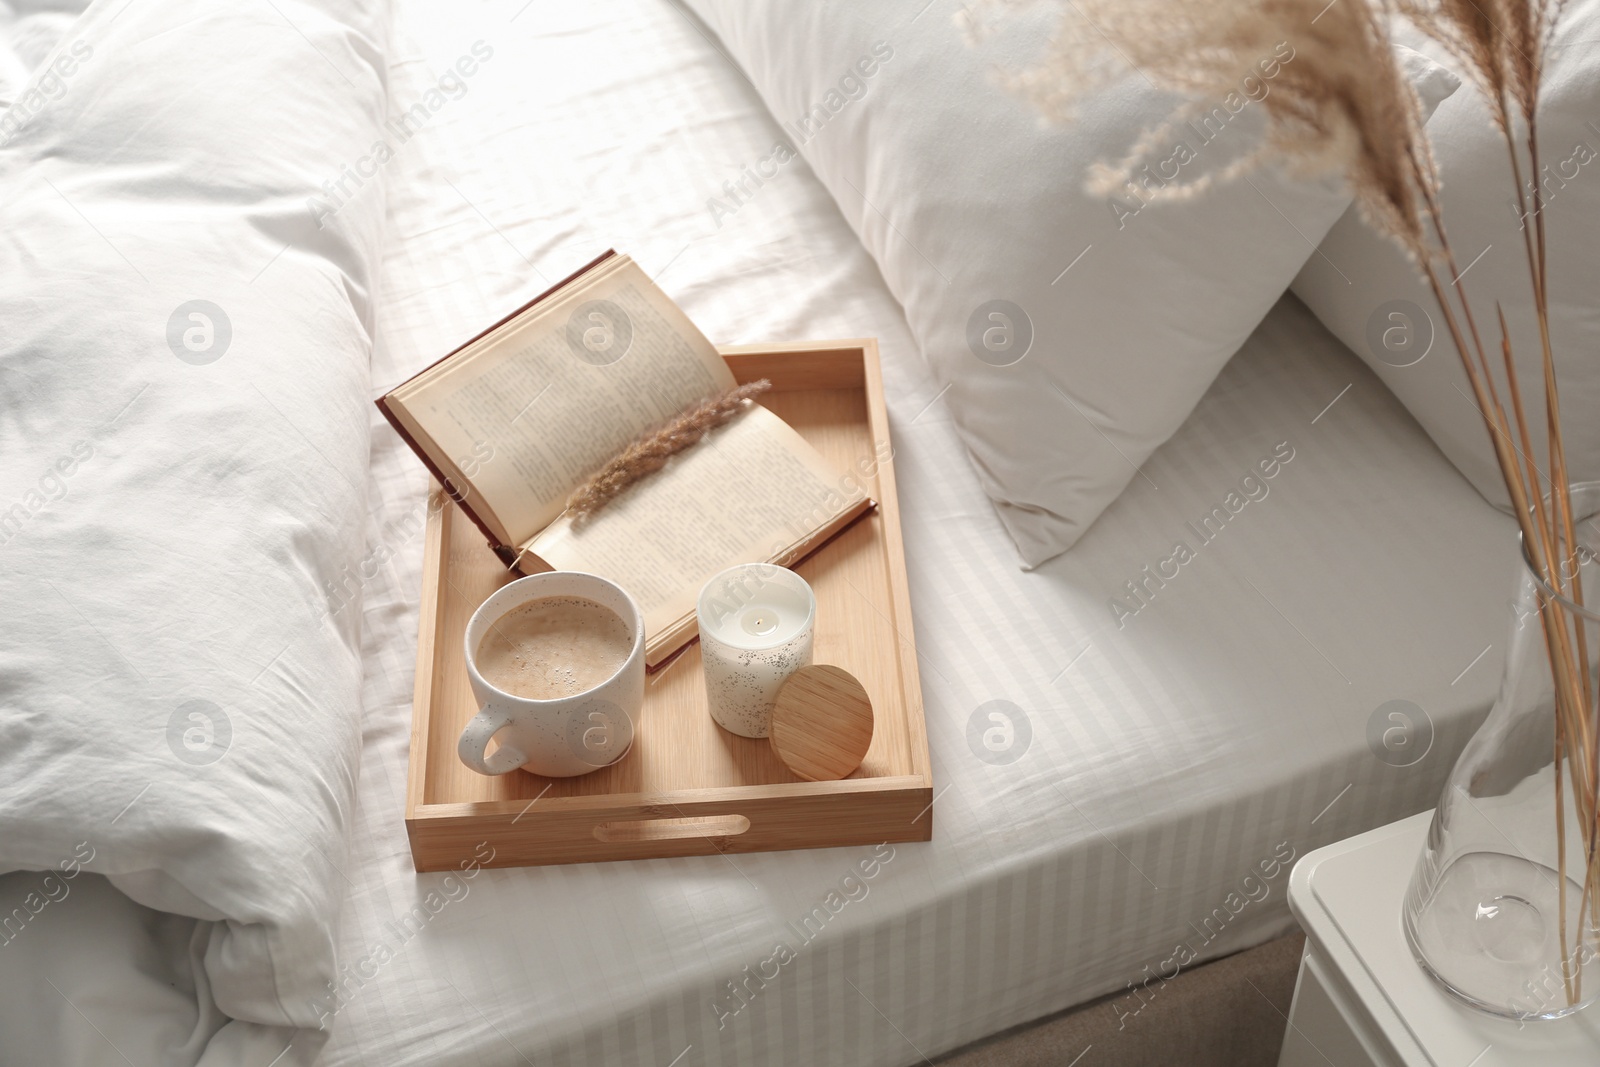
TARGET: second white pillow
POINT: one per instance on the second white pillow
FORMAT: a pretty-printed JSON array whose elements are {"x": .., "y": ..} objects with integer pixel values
[{"x": 1373, "y": 300}]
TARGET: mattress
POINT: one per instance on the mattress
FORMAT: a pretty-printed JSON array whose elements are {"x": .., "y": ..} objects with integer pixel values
[{"x": 1130, "y": 743}]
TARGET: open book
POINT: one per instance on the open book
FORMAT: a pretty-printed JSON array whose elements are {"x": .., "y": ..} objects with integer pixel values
[{"x": 518, "y": 418}]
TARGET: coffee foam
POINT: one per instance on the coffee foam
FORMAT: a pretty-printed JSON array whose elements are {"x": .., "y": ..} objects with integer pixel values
[{"x": 553, "y": 648}]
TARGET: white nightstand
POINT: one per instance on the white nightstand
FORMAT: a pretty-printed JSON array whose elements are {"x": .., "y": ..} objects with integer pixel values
[{"x": 1362, "y": 1001}]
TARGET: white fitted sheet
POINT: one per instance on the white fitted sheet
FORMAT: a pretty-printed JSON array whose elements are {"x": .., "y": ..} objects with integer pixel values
[{"x": 1168, "y": 759}]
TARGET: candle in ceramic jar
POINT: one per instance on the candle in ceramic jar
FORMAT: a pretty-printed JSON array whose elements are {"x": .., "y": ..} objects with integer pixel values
[{"x": 755, "y": 631}]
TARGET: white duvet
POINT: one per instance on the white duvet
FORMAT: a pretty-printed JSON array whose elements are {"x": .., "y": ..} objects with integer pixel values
[{"x": 183, "y": 419}]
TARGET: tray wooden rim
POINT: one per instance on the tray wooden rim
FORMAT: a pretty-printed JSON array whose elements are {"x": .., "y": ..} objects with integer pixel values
[{"x": 830, "y": 365}]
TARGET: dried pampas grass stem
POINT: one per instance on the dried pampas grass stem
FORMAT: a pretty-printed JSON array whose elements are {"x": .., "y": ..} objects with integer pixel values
[
  {"x": 1323, "y": 78},
  {"x": 1339, "y": 100},
  {"x": 650, "y": 452}
]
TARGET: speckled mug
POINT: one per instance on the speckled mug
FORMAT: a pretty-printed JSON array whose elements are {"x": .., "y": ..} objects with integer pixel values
[{"x": 556, "y": 738}]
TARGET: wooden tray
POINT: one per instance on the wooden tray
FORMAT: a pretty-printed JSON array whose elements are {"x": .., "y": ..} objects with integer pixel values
[{"x": 689, "y": 787}]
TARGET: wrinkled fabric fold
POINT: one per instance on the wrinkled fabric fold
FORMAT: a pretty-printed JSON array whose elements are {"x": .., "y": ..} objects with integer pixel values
[{"x": 185, "y": 338}]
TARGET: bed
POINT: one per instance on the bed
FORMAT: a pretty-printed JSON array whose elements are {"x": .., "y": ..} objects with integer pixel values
[{"x": 1168, "y": 745}]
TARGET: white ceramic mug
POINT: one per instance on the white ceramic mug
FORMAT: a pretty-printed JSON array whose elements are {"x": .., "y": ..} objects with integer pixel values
[{"x": 556, "y": 738}]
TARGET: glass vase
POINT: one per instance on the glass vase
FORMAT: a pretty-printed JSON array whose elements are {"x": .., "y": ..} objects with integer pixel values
[{"x": 1502, "y": 907}]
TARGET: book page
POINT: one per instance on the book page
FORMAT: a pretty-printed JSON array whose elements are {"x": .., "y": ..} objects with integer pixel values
[
  {"x": 745, "y": 493},
  {"x": 551, "y": 396}
]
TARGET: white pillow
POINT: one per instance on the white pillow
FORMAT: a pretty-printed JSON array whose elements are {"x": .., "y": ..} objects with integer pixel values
[
  {"x": 183, "y": 416},
  {"x": 1075, "y": 335},
  {"x": 1375, "y": 302}
]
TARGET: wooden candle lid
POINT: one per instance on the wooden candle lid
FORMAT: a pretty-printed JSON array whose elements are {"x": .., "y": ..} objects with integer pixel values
[{"x": 822, "y": 723}]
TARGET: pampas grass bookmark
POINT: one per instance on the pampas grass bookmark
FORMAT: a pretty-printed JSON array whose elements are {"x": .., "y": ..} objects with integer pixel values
[{"x": 650, "y": 452}]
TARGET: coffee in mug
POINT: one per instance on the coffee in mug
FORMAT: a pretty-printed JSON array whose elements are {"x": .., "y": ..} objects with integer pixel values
[
  {"x": 556, "y": 661},
  {"x": 554, "y": 647}
]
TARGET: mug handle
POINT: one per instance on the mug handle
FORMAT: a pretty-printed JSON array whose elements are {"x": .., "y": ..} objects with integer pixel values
[{"x": 475, "y": 739}]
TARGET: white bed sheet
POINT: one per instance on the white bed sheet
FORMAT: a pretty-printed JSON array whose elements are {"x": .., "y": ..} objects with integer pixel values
[{"x": 1224, "y": 723}]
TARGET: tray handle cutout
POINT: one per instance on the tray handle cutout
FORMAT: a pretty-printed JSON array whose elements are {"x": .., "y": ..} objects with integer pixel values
[{"x": 708, "y": 826}]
